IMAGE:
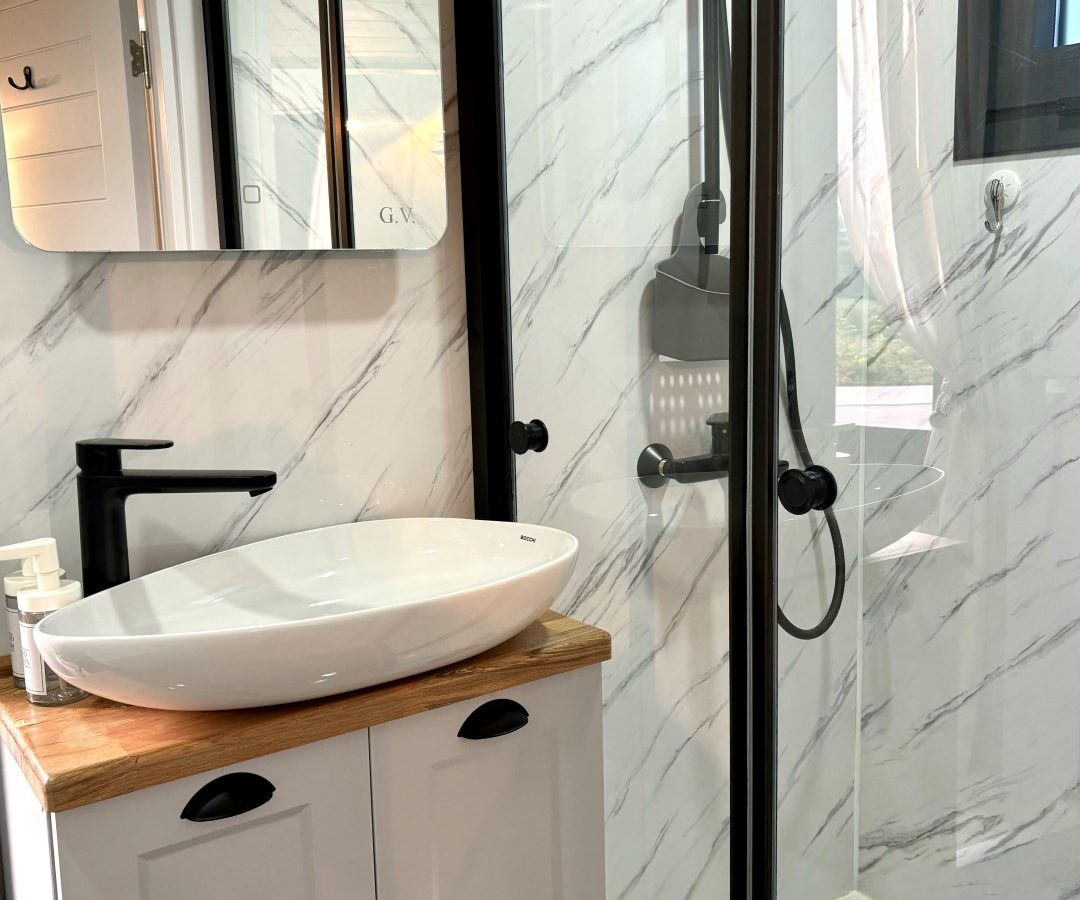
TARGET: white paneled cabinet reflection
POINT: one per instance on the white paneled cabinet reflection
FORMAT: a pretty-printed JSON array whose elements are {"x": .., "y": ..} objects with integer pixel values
[{"x": 75, "y": 126}]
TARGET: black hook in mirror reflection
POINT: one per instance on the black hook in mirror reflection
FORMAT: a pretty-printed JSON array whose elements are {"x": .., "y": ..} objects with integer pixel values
[{"x": 28, "y": 80}]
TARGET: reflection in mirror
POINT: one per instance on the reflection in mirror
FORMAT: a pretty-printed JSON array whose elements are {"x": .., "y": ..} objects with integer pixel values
[
  {"x": 1068, "y": 23},
  {"x": 223, "y": 124}
]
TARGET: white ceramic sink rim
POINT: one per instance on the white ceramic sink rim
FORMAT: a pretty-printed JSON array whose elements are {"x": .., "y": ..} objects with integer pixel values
[
  {"x": 50, "y": 625},
  {"x": 310, "y": 614}
]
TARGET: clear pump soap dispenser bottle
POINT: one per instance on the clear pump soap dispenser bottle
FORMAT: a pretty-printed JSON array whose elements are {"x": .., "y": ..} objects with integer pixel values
[
  {"x": 20, "y": 580},
  {"x": 43, "y": 686},
  {"x": 16, "y": 581}
]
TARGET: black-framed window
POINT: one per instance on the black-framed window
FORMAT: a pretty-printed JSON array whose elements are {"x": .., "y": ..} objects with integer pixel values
[{"x": 1017, "y": 77}]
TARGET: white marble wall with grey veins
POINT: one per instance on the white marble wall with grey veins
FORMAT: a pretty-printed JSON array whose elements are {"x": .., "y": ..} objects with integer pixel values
[
  {"x": 346, "y": 374},
  {"x": 603, "y": 137},
  {"x": 971, "y": 698},
  {"x": 818, "y": 709}
]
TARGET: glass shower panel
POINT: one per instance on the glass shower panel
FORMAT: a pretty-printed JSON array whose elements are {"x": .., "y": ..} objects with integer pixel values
[
  {"x": 930, "y": 742},
  {"x": 604, "y": 149},
  {"x": 826, "y": 302},
  {"x": 277, "y": 81}
]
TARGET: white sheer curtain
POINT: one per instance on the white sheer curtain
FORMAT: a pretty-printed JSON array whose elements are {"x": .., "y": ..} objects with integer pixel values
[{"x": 885, "y": 187}]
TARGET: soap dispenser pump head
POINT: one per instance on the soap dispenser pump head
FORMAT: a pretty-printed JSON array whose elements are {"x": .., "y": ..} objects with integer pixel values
[{"x": 42, "y": 558}]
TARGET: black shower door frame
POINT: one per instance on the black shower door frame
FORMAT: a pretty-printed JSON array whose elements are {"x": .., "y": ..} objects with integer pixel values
[{"x": 754, "y": 373}]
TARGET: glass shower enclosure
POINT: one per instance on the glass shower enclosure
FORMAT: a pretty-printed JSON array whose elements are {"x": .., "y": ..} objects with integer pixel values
[
  {"x": 785, "y": 295},
  {"x": 604, "y": 150}
]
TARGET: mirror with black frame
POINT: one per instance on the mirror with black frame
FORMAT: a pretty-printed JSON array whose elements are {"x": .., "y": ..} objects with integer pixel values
[{"x": 223, "y": 124}]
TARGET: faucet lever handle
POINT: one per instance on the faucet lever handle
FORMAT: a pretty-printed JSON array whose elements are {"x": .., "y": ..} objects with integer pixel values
[{"x": 101, "y": 456}]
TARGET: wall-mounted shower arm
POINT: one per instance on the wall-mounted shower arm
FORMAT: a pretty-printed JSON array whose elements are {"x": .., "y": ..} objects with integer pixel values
[{"x": 657, "y": 465}]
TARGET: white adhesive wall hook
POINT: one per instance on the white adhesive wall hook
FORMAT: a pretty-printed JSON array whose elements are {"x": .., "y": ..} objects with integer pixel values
[{"x": 1002, "y": 192}]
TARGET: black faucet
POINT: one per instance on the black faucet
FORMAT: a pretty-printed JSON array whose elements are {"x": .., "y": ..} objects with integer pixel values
[
  {"x": 104, "y": 486},
  {"x": 656, "y": 464}
]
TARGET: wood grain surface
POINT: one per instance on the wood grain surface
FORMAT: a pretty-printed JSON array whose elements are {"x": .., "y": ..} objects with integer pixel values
[{"x": 96, "y": 749}]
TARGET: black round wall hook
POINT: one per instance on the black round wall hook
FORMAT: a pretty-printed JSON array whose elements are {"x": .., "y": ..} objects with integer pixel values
[{"x": 28, "y": 80}]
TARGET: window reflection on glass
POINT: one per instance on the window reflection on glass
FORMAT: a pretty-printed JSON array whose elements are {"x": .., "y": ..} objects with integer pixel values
[
  {"x": 1068, "y": 17},
  {"x": 881, "y": 380}
]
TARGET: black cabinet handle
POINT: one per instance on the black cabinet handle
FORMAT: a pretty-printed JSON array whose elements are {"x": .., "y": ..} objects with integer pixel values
[
  {"x": 494, "y": 718},
  {"x": 228, "y": 796}
]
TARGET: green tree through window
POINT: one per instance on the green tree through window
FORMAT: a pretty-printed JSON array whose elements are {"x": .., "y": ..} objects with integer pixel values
[{"x": 885, "y": 358}]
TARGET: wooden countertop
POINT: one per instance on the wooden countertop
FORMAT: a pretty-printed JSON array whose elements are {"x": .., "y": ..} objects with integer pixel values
[{"x": 96, "y": 749}]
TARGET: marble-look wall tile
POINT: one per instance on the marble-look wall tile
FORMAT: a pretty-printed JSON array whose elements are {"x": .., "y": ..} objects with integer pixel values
[
  {"x": 345, "y": 373},
  {"x": 818, "y": 706},
  {"x": 602, "y": 148},
  {"x": 971, "y": 696}
]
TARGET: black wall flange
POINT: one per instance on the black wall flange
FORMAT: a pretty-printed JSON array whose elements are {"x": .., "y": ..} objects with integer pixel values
[{"x": 657, "y": 465}]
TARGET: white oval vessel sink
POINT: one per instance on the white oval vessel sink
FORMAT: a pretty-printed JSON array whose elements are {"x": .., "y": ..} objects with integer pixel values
[{"x": 310, "y": 614}]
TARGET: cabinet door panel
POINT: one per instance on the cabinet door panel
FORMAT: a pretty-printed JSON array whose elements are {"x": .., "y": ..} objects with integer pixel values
[
  {"x": 310, "y": 841},
  {"x": 260, "y": 869},
  {"x": 517, "y": 815}
]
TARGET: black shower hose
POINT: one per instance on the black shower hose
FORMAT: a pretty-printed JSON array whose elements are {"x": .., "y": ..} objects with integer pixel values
[
  {"x": 799, "y": 437},
  {"x": 717, "y": 49}
]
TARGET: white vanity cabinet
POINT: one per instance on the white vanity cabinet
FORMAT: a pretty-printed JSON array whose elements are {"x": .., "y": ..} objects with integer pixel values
[
  {"x": 311, "y": 840},
  {"x": 515, "y": 812},
  {"x": 517, "y": 816}
]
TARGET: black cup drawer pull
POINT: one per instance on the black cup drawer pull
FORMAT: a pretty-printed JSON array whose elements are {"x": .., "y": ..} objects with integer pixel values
[
  {"x": 228, "y": 796},
  {"x": 493, "y": 719}
]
